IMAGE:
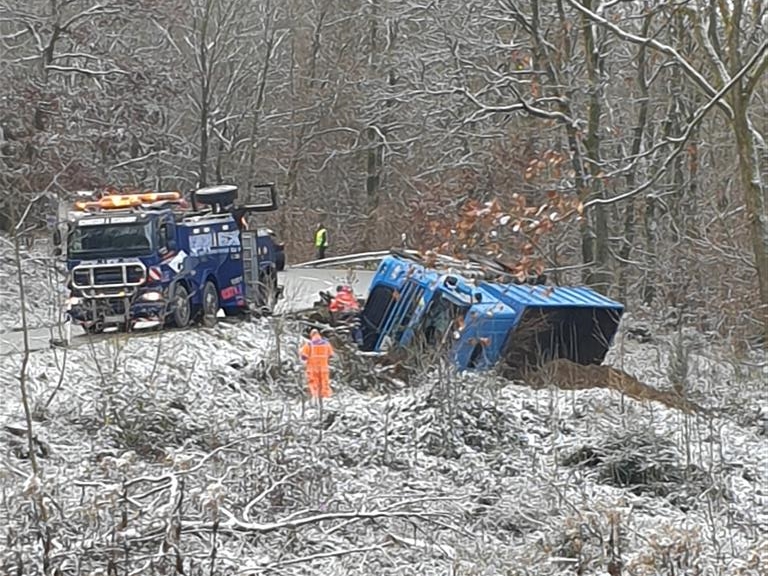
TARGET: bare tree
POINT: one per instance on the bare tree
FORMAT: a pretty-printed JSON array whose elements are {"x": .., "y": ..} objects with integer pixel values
[
  {"x": 218, "y": 42},
  {"x": 738, "y": 58}
]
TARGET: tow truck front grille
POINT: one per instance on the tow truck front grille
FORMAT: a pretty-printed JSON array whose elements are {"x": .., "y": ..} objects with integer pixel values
[{"x": 108, "y": 280}]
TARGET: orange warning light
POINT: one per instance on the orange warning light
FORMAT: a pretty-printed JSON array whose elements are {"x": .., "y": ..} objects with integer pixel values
[{"x": 117, "y": 201}]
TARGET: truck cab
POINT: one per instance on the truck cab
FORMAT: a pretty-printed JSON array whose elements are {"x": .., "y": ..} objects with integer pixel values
[
  {"x": 481, "y": 324},
  {"x": 145, "y": 260}
]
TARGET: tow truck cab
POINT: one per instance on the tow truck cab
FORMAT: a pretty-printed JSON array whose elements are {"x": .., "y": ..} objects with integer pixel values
[
  {"x": 147, "y": 259},
  {"x": 483, "y": 324}
]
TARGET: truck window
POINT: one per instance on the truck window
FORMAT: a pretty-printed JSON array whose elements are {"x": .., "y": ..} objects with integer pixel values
[
  {"x": 414, "y": 295},
  {"x": 110, "y": 241},
  {"x": 165, "y": 238},
  {"x": 441, "y": 317}
]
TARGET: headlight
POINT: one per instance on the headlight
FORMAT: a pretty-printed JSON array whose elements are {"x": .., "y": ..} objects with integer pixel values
[
  {"x": 152, "y": 296},
  {"x": 74, "y": 301}
]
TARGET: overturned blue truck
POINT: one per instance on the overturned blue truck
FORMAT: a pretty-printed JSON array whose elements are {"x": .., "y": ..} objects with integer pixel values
[{"x": 482, "y": 317}]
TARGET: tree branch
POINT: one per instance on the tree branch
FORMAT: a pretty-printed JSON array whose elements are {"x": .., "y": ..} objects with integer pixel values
[
  {"x": 85, "y": 71},
  {"x": 682, "y": 140},
  {"x": 690, "y": 71}
]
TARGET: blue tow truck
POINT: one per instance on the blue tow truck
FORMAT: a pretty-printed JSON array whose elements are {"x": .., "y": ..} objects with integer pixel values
[
  {"x": 150, "y": 259},
  {"x": 484, "y": 318}
]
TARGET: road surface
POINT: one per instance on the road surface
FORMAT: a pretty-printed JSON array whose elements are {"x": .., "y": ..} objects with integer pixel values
[
  {"x": 301, "y": 285},
  {"x": 300, "y": 290}
]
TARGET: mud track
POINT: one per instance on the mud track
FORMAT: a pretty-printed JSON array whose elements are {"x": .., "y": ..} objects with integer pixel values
[{"x": 568, "y": 375}]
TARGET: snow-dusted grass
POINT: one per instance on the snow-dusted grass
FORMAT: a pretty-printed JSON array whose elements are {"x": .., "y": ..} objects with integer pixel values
[
  {"x": 150, "y": 441},
  {"x": 43, "y": 286},
  {"x": 198, "y": 451}
]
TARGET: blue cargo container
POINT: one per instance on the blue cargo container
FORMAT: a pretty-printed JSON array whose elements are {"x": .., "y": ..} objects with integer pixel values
[{"x": 481, "y": 323}]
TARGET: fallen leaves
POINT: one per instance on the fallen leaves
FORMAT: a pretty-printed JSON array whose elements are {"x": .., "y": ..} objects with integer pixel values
[{"x": 497, "y": 229}]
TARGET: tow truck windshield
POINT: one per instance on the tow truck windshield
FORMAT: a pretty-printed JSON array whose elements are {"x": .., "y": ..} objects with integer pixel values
[{"x": 110, "y": 240}]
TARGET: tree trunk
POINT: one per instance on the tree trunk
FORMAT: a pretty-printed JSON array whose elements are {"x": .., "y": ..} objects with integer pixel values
[
  {"x": 637, "y": 142},
  {"x": 269, "y": 40},
  {"x": 372, "y": 179},
  {"x": 594, "y": 247},
  {"x": 749, "y": 168},
  {"x": 374, "y": 144},
  {"x": 649, "y": 283},
  {"x": 204, "y": 97},
  {"x": 756, "y": 203}
]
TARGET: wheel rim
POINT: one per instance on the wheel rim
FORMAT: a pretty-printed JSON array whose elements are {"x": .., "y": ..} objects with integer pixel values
[{"x": 182, "y": 308}]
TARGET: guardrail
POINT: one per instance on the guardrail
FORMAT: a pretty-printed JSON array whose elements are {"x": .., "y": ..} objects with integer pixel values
[{"x": 360, "y": 258}]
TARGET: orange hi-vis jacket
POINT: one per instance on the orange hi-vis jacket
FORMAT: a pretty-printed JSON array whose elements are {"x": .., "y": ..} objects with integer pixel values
[
  {"x": 344, "y": 301},
  {"x": 317, "y": 355}
]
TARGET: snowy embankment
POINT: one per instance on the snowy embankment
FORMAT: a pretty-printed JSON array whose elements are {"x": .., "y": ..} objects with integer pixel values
[
  {"x": 197, "y": 451},
  {"x": 42, "y": 283}
]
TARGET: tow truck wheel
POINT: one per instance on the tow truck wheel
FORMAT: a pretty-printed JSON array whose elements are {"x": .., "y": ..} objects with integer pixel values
[
  {"x": 210, "y": 304},
  {"x": 181, "y": 312},
  {"x": 95, "y": 328}
]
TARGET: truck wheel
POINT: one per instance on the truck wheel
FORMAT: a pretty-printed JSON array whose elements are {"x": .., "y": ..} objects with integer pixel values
[
  {"x": 95, "y": 328},
  {"x": 280, "y": 258},
  {"x": 210, "y": 304},
  {"x": 180, "y": 307}
]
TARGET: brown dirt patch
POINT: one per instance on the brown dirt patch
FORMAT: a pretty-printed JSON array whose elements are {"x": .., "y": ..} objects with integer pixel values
[{"x": 568, "y": 375}]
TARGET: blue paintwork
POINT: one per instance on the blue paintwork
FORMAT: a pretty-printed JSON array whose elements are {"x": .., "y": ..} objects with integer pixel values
[
  {"x": 492, "y": 312},
  {"x": 550, "y": 296},
  {"x": 200, "y": 249}
]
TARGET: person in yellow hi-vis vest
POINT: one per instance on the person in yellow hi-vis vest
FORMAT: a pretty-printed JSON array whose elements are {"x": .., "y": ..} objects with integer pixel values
[
  {"x": 321, "y": 241},
  {"x": 316, "y": 355}
]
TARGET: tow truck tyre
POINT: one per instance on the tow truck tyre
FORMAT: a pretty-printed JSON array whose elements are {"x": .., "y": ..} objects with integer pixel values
[
  {"x": 95, "y": 328},
  {"x": 181, "y": 312},
  {"x": 210, "y": 304}
]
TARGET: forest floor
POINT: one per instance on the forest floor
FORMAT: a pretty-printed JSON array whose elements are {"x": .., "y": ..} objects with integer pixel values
[{"x": 198, "y": 452}]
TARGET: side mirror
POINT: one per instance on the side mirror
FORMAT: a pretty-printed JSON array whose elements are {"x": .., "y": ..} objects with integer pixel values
[{"x": 57, "y": 251}]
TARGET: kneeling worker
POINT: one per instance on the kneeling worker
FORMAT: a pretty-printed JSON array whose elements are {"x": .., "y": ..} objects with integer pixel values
[
  {"x": 344, "y": 302},
  {"x": 345, "y": 306}
]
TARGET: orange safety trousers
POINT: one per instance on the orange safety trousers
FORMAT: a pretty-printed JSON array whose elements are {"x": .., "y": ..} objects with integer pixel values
[{"x": 317, "y": 355}]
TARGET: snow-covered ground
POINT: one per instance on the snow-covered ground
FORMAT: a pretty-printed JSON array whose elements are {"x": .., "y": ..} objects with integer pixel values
[
  {"x": 197, "y": 452},
  {"x": 42, "y": 286}
]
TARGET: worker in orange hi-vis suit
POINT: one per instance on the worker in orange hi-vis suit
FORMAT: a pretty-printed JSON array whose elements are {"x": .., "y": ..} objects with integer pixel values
[
  {"x": 346, "y": 309},
  {"x": 316, "y": 354},
  {"x": 344, "y": 301}
]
